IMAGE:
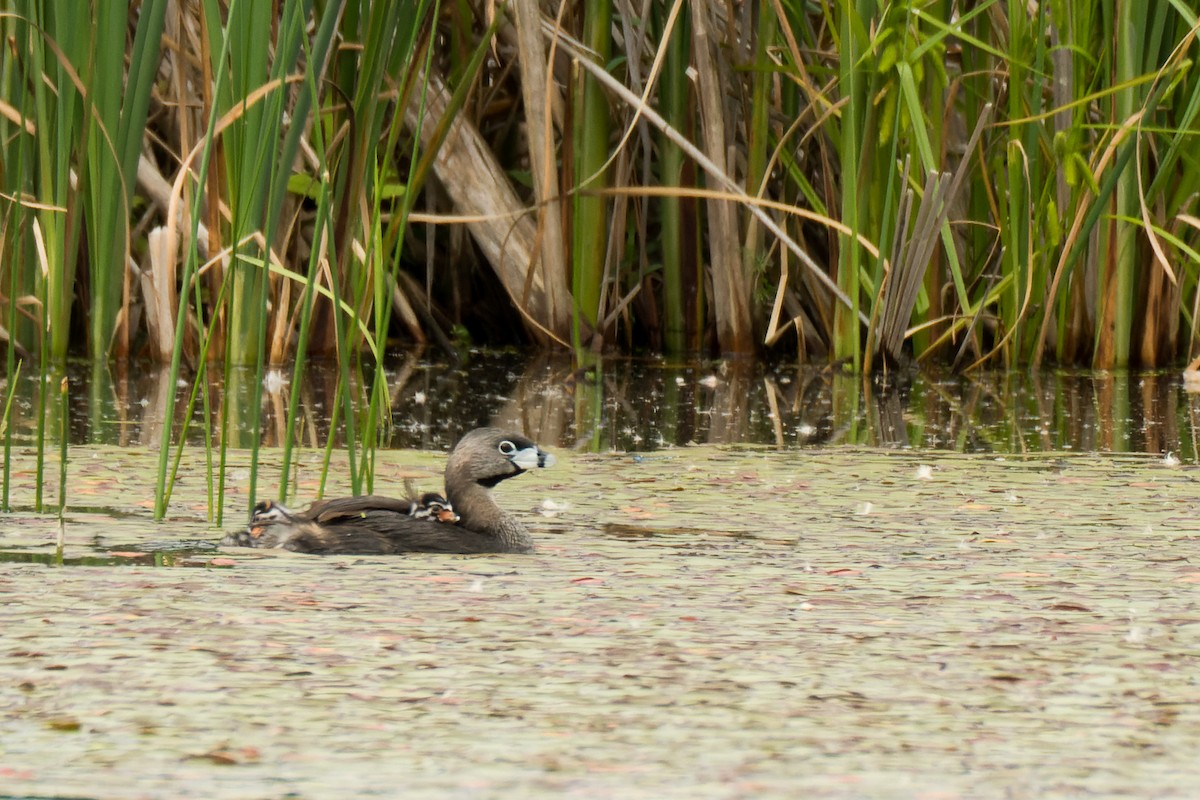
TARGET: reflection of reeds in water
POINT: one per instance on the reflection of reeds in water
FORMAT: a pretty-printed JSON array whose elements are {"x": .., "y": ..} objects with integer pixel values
[
  {"x": 617, "y": 405},
  {"x": 886, "y": 411},
  {"x": 541, "y": 402},
  {"x": 638, "y": 405}
]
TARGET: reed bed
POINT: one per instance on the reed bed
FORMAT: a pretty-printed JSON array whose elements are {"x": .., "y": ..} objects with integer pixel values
[{"x": 211, "y": 183}]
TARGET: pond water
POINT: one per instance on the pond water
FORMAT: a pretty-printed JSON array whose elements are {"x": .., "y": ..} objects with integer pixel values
[
  {"x": 955, "y": 588},
  {"x": 644, "y": 405},
  {"x": 711, "y": 621}
]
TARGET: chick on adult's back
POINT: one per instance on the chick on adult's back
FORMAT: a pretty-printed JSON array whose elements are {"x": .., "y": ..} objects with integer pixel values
[{"x": 372, "y": 524}]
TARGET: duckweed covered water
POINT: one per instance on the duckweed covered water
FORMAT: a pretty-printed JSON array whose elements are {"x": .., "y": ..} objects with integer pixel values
[{"x": 699, "y": 622}]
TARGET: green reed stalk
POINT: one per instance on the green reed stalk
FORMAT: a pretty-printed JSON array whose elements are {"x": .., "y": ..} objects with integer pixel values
[
  {"x": 589, "y": 399},
  {"x": 163, "y": 482},
  {"x": 115, "y": 120},
  {"x": 328, "y": 454},
  {"x": 200, "y": 384},
  {"x": 255, "y": 190},
  {"x": 933, "y": 101},
  {"x": 682, "y": 300},
  {"x": 229, "y": 397},
  {"x": 1017, "y": 218},
  {"x": 344, "y": 392},
  {"x": 589, "y": 225},
  {"x": 57, "y": 116},
  {"x": 322, "y": 230},
  {"x": 1117, "y": 289},
  {"x": 388, "y": 32},
  {"x": 759, "y": 142},
  {"x": 14, "y": 377},
  {"x": 15, "y": 150},
  {"x": 321, "y": 224},
  {"x": 12, "y": 250},
  {"x": 1172, "y": 179},
  {"x": 852, "y": 146},
  {"x": 888, "y": 222},
  {"x": 289, "y": 43},
  {"x": 1173, "y": 187},
  {"x": 40, "y": 411},
  {"x": 400, "y": 66},
  {"x": 258, "y": 165},
  {"x": 761, "y": 84},
  {"x": 977, "y": 89},
  {"x": 1072, "y": 144},
  {"x": 378, "y": 405},
  {"x": 246, "y": 146},
  {"x": 380, "y": 304},
  {"x": 64, "y": 435},
  {"x": 1035, "y": 145},
  {"x": 351, "y": 422},
  {"x": 386, "y": 53},
  {"x": 381, "y": 60},
  {"x": 387, "y": 244},
  {"x": 1044, "y": 172},
  {"x": 414, "y": 51}
]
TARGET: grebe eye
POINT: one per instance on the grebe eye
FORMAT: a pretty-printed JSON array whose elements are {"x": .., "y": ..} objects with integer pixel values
[{"x": 507, "y": 448}]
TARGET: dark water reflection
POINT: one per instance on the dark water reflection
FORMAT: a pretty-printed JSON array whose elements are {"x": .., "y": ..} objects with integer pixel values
[{"x": 633, "y": 405}]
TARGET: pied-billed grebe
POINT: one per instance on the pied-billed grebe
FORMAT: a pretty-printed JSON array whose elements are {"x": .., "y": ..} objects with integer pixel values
[{"x": 467, "y": 520}]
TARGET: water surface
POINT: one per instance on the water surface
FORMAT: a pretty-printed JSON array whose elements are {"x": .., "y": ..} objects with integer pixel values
[
  {"x": 645, "y": 405},
  {"x": 709, "y": 621},
  {"x": 750, "y": 582}
]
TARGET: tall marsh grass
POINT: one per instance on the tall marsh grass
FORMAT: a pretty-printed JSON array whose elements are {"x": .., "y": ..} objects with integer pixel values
[
  {"x": 170, "y": 135},
  {"x": 226, "y": 182}
]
